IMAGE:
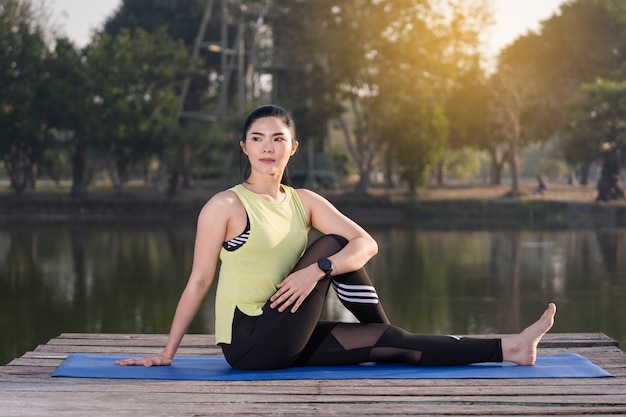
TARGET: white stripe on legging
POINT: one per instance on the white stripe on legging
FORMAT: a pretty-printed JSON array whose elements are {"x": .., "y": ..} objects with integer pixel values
[{"x": 368, "y": 296}]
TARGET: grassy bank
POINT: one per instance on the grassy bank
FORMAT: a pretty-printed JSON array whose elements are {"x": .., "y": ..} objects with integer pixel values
[{"x": 444, "y": 207}]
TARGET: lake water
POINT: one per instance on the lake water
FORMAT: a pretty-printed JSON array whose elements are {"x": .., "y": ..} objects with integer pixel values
[{"x": 121, "y": 278}]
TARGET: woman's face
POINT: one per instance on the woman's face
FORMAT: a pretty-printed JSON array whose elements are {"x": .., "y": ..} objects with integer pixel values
[{"x": 269, "y": 144}]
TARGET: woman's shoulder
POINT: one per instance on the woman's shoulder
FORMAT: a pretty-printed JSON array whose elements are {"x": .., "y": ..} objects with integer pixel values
[
  {"x": 312, "y": 200},
  {"x": 221, "y": 202},
  {"x": 308, "y": 195},
  {"x": 305, "y": 192},
  {"x": 223, "y": 198}
]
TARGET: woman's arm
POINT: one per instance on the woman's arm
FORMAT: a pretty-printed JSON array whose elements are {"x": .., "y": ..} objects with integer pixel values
[
  {"x": 324, "y": 217},
  {"x": 211, "y": 230},
  {"x": 327, "y": 219}
]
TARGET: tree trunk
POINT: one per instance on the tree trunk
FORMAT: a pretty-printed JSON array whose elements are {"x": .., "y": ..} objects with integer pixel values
[
  {"x": 186, "y": 167},
  {"x": 609, "y": 185},
  {"x": 364, "y": 181},
  {"x": 114, "y": 173},
  {"x": 389, "y": 169},
  {"x": 79, "y": 162},
  {"x": 174, "y": 181},
  {"x": 515, "y": 166},
  {"x": 441, "y": 171},
  {"x": 33, "y": 176},
  {"x": 18, "y": 175},
  {"x": 584, "y": 173},
  {"x": 147, "y": 172},
  {"x": 361, "y": 160},
  {"x": 496, "y": 167}
]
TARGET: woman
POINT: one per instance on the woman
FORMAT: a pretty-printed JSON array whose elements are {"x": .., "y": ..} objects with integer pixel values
[{"x": 272, "y": 288}]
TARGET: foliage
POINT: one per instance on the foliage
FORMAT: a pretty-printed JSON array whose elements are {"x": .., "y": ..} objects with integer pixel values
[
  {"x": 134, "y": 92},
  {"x": 211, "y": 91},
  {"x": 65, "y": 97},
  {"x": 553, "y": 168},
  {"x": 464, "y": 163},
  {"x": 418, "y": 137},
  {"x": 586, "y": 40},
  {"x": 604, "y": 114},
  {"x": 356, "y": 60},
  {"x": 400, "y": 79},
  {"x": 520, "y": 110},
  {"x": 470, "y": 111},
  {"x": 23, "y": 121},
  {"x": 180, "y": 20},
  {"x": 538, "y": 76}
]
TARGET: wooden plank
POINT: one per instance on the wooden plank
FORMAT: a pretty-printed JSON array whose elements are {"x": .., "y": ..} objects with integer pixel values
[
  {"x": 184, "y": 350},
  {"x": 26, "y": 388},
  {"x": 371, "y": 388},
  {"x": 104, "y": 404},
  {"x": 549, "y": 340},
  {"x": 157, "y": 397}
]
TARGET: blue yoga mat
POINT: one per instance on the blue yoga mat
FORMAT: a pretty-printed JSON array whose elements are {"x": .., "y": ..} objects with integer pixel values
[{"x": 215, "y": 368}]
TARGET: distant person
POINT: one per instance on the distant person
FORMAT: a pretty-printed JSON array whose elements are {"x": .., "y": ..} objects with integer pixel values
[
  {"x": 541, "y": 186},
  {"x": 272, "y": 288}
]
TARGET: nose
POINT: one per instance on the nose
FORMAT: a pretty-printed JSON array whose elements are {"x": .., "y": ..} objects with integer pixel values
[{"x": 268, "y": 147}]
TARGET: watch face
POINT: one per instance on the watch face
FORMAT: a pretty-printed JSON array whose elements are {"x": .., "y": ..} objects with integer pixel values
[{"x": 325, "y": 265}]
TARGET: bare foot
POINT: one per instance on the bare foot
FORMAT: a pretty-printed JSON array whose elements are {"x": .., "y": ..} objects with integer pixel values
[{"x": 522, "y": 348}]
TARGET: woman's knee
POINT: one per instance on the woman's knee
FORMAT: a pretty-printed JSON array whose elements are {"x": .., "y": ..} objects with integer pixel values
[
  {"x": 342, "y": 241},
  {"x": 328, "y": 244}
]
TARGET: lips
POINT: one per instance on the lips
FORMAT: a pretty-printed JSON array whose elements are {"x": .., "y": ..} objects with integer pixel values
[{"x": 267, "y": 160}]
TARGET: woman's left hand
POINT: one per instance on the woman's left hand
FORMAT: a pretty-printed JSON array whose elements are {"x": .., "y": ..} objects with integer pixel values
[{"x": 294, "y": 289}]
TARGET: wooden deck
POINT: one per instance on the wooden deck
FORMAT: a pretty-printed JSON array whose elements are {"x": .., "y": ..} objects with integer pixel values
[{"x": 26, "y": 388}]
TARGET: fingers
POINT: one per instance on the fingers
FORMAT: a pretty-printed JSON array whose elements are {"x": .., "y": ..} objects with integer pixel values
[
  {"x": 280, "y": 296},
  {"x": 133, "y": 362},
  {"x": 282, "y": 300},
  {"x": 285, "y": 297},
  {"x": 292, "y": 291},
  {"x": 145, "y": 361},
  {"x": 297, "y": 304}
]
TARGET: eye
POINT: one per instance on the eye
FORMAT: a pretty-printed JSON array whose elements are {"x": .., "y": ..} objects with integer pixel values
[{"x": 279, "y": 139}]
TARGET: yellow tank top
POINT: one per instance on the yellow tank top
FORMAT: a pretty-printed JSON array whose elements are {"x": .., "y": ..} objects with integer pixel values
[{"x": 248, "y": 275}]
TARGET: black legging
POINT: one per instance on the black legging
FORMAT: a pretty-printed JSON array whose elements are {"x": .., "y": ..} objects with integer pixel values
[{"x": 277, "y": 340}]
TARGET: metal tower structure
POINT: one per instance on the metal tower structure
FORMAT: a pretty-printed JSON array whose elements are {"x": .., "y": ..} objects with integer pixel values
[{"x": 238, "y": 58}]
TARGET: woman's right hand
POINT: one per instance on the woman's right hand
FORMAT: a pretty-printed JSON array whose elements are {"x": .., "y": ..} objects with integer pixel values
[{"x": 159, "y": 359}]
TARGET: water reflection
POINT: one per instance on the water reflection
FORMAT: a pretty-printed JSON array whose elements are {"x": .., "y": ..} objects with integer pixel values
[
  {"x": 127, "y": 279},
  {"x": 498, "y": 281}
]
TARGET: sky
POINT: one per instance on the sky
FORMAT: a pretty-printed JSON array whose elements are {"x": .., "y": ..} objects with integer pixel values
[{"x": 79, "y": 18}]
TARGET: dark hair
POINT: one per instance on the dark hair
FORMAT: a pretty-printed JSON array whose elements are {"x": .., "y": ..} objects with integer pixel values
[{"x": 269, "y": 110}]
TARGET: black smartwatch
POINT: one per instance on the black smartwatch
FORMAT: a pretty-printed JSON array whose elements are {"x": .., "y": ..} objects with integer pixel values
[{"x": 325, "y": 265}]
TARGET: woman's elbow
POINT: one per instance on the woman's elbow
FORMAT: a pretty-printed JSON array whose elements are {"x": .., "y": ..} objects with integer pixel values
[
  {"x": 200, "y": 283},
  {"x": 373, "y": 247}
]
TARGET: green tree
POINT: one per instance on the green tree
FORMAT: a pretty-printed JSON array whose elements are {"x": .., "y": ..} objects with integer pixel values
[
  {"x": 223, "y": 80},
  {"x": 180, "y": 20},
  {"x": 585, "y": 41},
  {"x": 419, "y": 135},
  {"x": 353, "y": 59},
  {"x": 135, "y": 80},
  {"x": 23, "y": 122},
  {"x": 604, "y": 114},
  {"x": 65, "y": 98},
  {"x": 578, "y": 144},
  {"x": 470, "y": 109},
  {"x": 322, "y": 50},
  {"x": 520, "y": 110}
]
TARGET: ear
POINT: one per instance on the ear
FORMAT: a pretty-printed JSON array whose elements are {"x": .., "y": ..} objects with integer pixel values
[
  {"x": 242, "y": 144},
  {"x": 294, "y": 147}
]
